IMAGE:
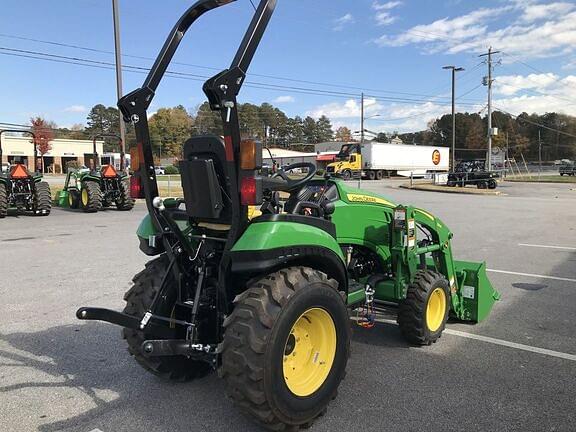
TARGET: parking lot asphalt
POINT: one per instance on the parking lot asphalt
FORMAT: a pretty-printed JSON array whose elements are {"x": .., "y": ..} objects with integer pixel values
[{"x": 514, "y": 372}]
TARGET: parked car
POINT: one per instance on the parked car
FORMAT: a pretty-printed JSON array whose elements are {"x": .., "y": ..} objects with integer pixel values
[
  {"x": 473, "y": 173},
  {"x": 160, "y": 170},
  {"x": 567, "y": 169}
]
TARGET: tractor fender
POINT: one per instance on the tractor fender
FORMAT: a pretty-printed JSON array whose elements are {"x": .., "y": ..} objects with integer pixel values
[{"x": 268, "y": 246}]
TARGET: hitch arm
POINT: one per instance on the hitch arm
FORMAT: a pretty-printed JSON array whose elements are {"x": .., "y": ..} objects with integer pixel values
[{"x": 124, "y": 320}]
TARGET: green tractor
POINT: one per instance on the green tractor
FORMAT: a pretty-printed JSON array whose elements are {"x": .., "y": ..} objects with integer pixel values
[
  {"x": 266, "y": 301},
  {"x": 22, "y": 190},
  {"x": 100, "y": 186}
]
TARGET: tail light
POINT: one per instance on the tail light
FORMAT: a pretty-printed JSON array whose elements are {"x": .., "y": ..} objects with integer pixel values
[
  {"x": 250, "y": 155},
  {"x": 136, "y": 190},
  {"x": 251, "y": 191}
]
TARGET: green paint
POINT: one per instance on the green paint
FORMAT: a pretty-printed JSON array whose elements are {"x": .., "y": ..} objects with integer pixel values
[{"x": 272, "y": 235}]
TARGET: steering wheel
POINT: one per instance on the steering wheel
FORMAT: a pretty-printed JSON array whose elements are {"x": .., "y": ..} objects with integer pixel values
[{"x": 287, "y": 184}]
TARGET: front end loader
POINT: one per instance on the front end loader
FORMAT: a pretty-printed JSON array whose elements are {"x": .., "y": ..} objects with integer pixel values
[
  {"x": 99, "y": 186},
  {"x": 266, "y": 300},
  {"x": 21, "y": 189}
]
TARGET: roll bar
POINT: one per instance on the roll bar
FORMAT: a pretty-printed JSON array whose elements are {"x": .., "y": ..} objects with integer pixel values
[
  {"x": 33, "y": 142},
  {"x": 95, "y": 152},
  {"x": 221, "y": 91}
]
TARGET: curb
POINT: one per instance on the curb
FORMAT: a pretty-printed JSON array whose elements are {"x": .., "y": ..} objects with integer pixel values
[{"x": 453, "y": 190}]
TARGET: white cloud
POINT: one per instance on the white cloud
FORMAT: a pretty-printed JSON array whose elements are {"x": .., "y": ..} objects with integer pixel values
[
  {"x": 402, "y": 118},
  {"x": 535, "y": 12},
  {"x": 349, "y": 109},
  {"x": 530, "y": 30},
  {"x": 511, "y": 84},
  {"x": 76, "y": 109},
  {"x": 457, "y": 29},
  {"x": 343, "y": 21},
  {"x": 539, "y": 93},
  {"x": 383, "y": 15},
  {"x": 284, "y": 99}
]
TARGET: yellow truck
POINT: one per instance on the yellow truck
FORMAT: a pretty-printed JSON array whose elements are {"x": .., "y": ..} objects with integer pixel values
[{"x": 374, "y": 161}]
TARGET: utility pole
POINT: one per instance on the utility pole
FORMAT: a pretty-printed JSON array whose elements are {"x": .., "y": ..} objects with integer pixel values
[
  {"x": 362, "y": 120},
  {"x": 489, "y": 82},
  {"x": 361, "y": 137},
  {"x": 539, "y": 154},
  {"x": 119, "y": 72},
  {"x": 454, "y": 70}
]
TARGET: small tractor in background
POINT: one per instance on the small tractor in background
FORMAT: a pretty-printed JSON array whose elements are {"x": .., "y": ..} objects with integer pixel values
[
  {"x": 266, "y": 300},
  {"x": 21, "y": 189},
  {"x": 99, "y": 186}
]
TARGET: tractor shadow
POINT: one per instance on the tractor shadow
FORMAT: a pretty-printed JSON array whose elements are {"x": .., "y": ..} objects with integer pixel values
[
  {"x": 89, "y": 364},
  {"x": 382, "y": 335}
]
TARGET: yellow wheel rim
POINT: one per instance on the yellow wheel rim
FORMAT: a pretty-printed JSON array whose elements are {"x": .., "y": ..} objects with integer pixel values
[
  {"x": 309, "y": 352},
  {"x": 70, "y": 199},
  {"x": 436, "y": 309},
  {"x": 84, "y": 197}
]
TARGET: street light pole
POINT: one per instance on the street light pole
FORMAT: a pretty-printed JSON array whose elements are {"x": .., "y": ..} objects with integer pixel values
[
  {"x": 118, "y": 72},
  {"x": 453, "y": 158}
]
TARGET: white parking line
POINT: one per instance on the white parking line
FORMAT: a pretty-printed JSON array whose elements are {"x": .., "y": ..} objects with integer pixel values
[
  {"x": 500, "y": 342},
  {"x": 548, "y": 246},
  {"x": 533, "y": 275}
]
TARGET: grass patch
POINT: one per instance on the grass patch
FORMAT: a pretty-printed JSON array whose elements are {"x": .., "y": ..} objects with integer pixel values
[{"x": 543, "y": 179}]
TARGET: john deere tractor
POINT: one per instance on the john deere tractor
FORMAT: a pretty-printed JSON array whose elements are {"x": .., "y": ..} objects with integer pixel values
[
  {"x": 22, "y": 190},
  {"x": 267, "y": 301},
  {"x": 99, "y": 186}
]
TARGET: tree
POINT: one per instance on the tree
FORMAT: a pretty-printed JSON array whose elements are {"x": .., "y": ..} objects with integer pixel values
[
  {"x": 309, "y": 128},
  {"x": 106, "y": 121},
  {"x": 324, "y": 130},
  {"x": 169, "y": 129},
  {"x": 43, "y": 134},
  {"x": 343, "y": 134}
]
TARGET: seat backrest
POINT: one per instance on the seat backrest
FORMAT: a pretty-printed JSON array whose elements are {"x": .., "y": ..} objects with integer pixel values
[{"x": 203, "y": 174}]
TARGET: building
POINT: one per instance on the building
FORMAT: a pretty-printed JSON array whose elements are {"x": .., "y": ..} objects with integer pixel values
[{"x": 62, "y": 153}]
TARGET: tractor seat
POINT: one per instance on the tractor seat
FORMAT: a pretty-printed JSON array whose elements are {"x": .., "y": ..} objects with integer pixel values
[{"x": 203, "y": 174}]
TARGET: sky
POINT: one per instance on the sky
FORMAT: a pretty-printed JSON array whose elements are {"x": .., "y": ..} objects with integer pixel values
[{"x": 316, "y": 58}]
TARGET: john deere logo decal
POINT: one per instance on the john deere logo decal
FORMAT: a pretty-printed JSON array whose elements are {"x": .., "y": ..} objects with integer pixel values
[{"x": 436, "y": 157}]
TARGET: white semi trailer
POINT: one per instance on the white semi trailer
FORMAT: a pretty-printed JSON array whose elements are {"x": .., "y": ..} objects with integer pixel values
[{"x": 376, "y": 160}]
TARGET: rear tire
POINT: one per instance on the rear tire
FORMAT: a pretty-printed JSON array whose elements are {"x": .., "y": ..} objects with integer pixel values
[
  {"x": 138, "y": 300},
  {"x": 125, "y": 202},
  {"x": 295, "y": 310},
  {"x": 423, "y": 314},
  {"x": 371, "y": 175},
  {"x": 91, "y": 197},
  {"x": 379, "y": 175},
  {"x": 3, "y": 201},
  {"x": 42, "y": 199}
]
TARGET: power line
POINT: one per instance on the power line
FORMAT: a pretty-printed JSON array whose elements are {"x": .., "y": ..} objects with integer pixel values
[
  {"x": 535, "y": 124},
  {"x": 195, "y": 77},
  {"x": 324, "y": 84}
]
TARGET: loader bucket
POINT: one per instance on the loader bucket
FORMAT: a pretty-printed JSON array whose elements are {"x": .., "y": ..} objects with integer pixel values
[
  {"x": 62, "y": 198},
  {"x": 477, "y": 293}
]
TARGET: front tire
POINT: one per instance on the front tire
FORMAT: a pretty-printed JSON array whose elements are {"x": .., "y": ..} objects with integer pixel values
[
  {"x": 423, "y": 314},
  {"x": 3, "y": 201},
  {"x": 285, "y": 348},
  {"x": 138, "y": 300},
  {"x": 42, "y": 199},
  {"x": 346, "y": 175}
]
